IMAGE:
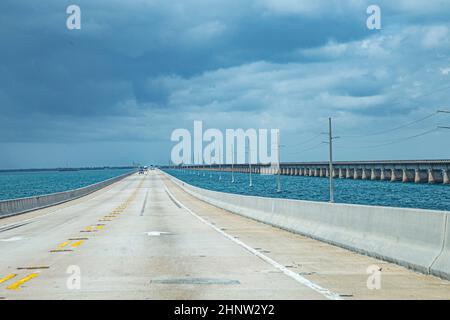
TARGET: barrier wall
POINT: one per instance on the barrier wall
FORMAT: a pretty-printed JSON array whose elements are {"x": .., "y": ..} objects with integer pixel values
[
  {"x": 18, "y": 206},
  {"x": 414, "y": 238}
]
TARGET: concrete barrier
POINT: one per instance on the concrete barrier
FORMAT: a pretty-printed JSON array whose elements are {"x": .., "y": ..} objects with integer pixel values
[
  {"x": 441, "y": 267},
  {"x": 414, "y": 238},
  {"x": 18, "y": 206}
]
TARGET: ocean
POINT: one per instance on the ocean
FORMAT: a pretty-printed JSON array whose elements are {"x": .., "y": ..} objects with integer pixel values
[
  {"x": 15, "y": 185},
  {"x": 365, "y": 192}
]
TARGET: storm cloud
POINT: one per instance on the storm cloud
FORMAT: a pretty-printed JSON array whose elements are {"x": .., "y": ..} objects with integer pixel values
[{"x": 112, "y": 92}]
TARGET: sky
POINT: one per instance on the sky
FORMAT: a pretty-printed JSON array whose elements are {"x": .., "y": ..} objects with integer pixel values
[{"x": 113, "y": 92}]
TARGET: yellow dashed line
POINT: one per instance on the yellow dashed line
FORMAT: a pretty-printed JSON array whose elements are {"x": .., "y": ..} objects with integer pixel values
[
  {"x": 62, "y": 245},
  {"x": 8, "y": 277},
  {"x": 19, "y": 283},
  {"x": 77, "y": 244}
]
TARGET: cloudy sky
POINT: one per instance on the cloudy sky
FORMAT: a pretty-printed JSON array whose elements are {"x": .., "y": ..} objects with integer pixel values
[{"x": 112, "y": 92}]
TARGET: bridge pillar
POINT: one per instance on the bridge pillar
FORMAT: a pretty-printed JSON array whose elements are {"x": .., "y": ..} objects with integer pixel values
[
  {"x": 420, "y": 176},
  {"x": 292, "y": 171},
  {"x": 383, "y": 174},
  {"x": 366, "y": 174},
  {"x": 349, "y": 173},
  {"x": 387, "y": 174},
  {"x": 316, "y": 172},
  {"x": 445, "y": 177},
  {"x": 408, "y": 175},
  {"x": 375, "y": 174},
  {"x": 342, "y": 173},
  {"x": 357, "y": 174},
  {"x": 322, "y": 172},
  {"x": 435, "y": 176},
  {"x": 396, "y": 175}
]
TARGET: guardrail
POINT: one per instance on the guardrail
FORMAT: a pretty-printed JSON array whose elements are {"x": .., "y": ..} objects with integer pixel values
[
  {"x": 19, "y": 206},
  {"x": 414, "y": 238}
]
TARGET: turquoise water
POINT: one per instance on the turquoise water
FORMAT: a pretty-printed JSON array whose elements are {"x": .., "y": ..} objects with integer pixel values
[
  {"x": 378, "y": 193},
  {"x": 15, "y": 185}
]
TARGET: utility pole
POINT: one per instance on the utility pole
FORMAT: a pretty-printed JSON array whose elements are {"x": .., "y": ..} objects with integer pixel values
[
  {"x": 232, "y": 164},
  {"x": 279, "y": 163},
  {"x": 331, "y": 174},
  {"x": 250, "y": 165},
  {"x": 220, "y": 164}
]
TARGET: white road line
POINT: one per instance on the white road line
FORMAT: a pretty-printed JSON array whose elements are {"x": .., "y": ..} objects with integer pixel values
[
  {"x": 11, "y": 239},
  {"x": 325, "y": 292}
]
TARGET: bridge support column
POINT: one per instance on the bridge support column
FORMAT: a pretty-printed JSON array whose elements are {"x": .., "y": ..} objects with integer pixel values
[
  {"x": 316, "y": 172},
  {"x": 357, "y": 174},
  {"x": 420, "y": 176},
  {"x": 375, "y": 174},
  {"x": 445, "y": 177},
  {"x": 383, "y": 175},
  {"x": 366, "y": 174},
  {"x": 342, "y": 173},
  {"x": 408, "y": 176},
  {"x": 396, "y": 175},
  {"x": 349, "y": 173},
  {"x": 435, "y": 176},
  {"x": 322, "y": 172}
]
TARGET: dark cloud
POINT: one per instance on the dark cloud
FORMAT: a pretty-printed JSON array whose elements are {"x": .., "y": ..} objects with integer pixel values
[{"x": 139, "y": 69}]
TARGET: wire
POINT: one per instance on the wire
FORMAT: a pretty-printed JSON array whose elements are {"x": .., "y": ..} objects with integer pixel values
[
  {"x": 395, "y": 128},
  {"x": 394, "y": 141},
  {"x": 307, "y": 141},
  {"x": 307, "y": 149},
  {"x": 398, "y": 101}
]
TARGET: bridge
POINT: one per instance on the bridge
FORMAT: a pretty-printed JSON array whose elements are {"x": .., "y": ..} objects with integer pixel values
[
  {"x": 418, "y": 171},
  {"x": 151, "y": 237}
]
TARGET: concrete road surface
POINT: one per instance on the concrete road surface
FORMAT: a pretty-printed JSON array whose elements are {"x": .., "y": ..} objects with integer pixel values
[{"x": 144, "y": 238}]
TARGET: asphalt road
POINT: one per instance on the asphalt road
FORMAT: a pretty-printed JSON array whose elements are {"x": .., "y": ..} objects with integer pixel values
[{"x": 144, "y": 238}]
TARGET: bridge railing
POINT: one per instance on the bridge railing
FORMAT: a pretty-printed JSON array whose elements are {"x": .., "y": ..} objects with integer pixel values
[
  {"x": 414, "y": 238},
  {"x": 23, "y": 205}
]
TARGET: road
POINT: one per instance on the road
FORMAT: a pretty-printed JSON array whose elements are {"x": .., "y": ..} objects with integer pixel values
[{"x": 145, "y": 238}]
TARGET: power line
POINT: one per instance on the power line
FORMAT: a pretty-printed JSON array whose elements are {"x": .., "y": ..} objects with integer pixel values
[
  {"x": 307, "y": 141},
  {"x": 393, "y": 141},
  {"x": 308, "y": 149},
  {"x": 395, "y": 128}
]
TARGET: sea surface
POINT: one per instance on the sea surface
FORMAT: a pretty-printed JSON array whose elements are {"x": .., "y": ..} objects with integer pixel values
[
  {"x": 378, "y": 193},
  {"x": 15, "y": 185}
]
